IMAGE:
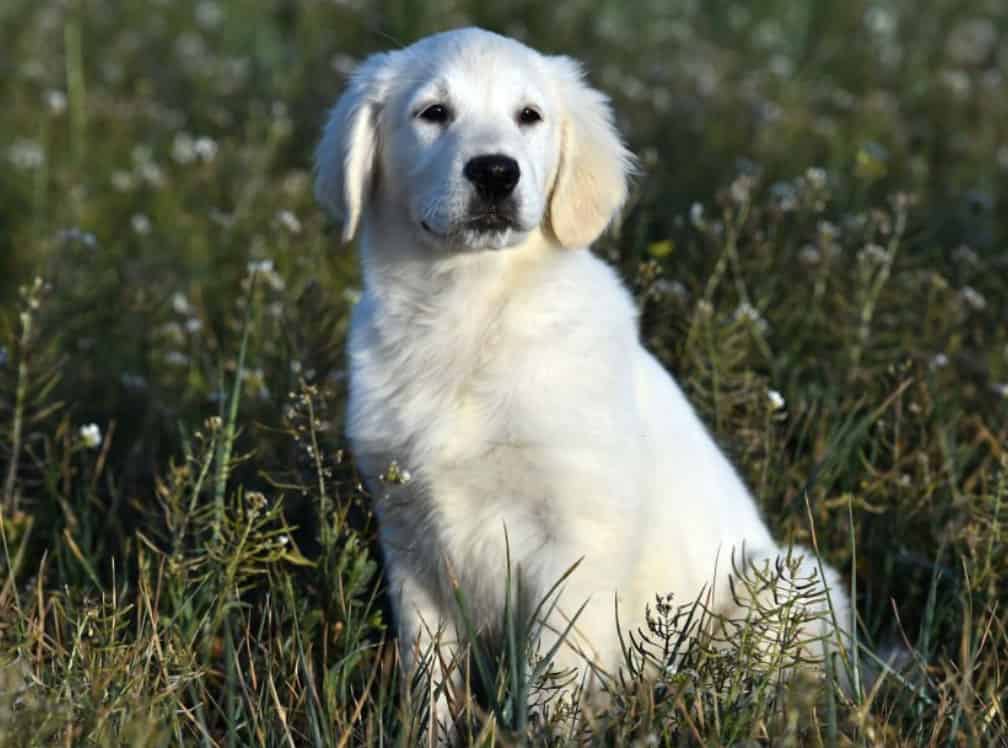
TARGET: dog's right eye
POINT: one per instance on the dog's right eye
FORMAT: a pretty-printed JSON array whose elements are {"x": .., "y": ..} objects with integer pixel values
[{"x": 437, "y": 114}]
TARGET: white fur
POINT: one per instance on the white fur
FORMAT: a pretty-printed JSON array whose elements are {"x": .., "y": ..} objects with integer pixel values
[{"x": 503, "y": 372}]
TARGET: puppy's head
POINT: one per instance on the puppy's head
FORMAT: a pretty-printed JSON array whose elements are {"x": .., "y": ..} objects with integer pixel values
[{"x": 472, "y": 141}]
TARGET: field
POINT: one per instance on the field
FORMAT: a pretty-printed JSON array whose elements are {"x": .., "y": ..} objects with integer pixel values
[{"x": 819, "y": 247}]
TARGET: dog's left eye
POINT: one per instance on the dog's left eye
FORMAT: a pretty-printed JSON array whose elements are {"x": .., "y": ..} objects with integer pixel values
[
  {"x": 529, "y": 116},
  {"x": 435, "y": 113}
]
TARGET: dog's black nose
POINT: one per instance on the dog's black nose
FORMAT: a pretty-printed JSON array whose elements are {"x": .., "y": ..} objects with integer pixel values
[{"x": 495, "y": 176}]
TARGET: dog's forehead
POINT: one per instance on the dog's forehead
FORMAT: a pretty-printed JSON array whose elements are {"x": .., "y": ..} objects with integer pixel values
[{"x": 473, "y": 59}]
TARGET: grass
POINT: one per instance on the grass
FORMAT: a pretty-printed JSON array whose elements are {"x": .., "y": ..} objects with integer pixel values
[{"x": 818, "y": 247}]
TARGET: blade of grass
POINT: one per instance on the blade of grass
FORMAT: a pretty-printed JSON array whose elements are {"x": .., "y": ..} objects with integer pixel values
[{"x": 230, "y": 424}]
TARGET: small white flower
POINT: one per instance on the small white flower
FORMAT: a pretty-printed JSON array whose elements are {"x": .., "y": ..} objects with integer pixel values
[
  {"x": 209, "y": 14},
  {"x": 193, "y": 325},
  {"x": 816, "y": 177},
  {"x": 973, "y": 297},
  {"x": 781, "y": 66},
  {"x": 191, "y": 47},
  {"x": 776, "y": 399},
  {"x": 879, "y": 20},
  {"x": 1001, "y": 388},
  {"x": 56, "y": 101},
  {"x": 741, "y": 189},
  {"x": 260, "y": 266},
  {"x": 746, "y": 311},
  {"x": 283, "y": 540},
  {"x": 122, "y": 180},
  {"x": 809, "y": 255},
  {"x": 151, "y": 173},
  {"x": 91, "y": 435},
  {"x": 78, "y": 236},
  {"x": 971, "y": 41},
  {"x": 25, "y": 154},
  {"x": 956, "y": 81},
  {"x": 289, "y": 221},
  {"x": 784, "y": 196},
  {"x": 180, "y": 304},
  {"x": 176, "y": 358},
  {"x": 183, "y": 150},
  {"x": 205, "y": 148},
  {"x": 696, "y": 215},
  {"x": 939, "y": 361},
  {"x": 826, "y": 230},
  {"x": 140, "y": 224},
  {"x": 873, "y": 253}
]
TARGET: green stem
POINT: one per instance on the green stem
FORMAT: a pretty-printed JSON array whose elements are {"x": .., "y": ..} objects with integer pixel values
[
  {"x": 227, "y": 440},
  {"x": 21, "y": 394}
]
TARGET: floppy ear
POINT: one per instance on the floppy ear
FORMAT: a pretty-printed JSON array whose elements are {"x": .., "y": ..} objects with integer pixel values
[
  {"x": 346, "y": 157},
  {"x": 591, "y": 181}
]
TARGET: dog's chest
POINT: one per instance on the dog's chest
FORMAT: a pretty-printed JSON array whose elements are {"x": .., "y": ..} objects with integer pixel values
[
  {"x": 505, "y": 372},
  {"x": 457, "y": 412},
  {"x": 426, "y": 364}
]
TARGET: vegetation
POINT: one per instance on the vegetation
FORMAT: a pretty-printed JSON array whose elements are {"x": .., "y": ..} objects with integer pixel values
[{"x": 820, "y": 252}]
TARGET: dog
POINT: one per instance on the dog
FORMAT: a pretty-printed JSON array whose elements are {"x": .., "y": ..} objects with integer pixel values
[{"x": 502, "y": 408}]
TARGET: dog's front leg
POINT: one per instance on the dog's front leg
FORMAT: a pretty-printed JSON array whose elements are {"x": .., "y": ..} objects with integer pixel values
[
  {"x": 580, "y": 635},
  {"x": 429, "y": 648}
]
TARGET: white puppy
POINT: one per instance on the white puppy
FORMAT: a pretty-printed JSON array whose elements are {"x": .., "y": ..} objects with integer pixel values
[{"x": 497, "y": 362}]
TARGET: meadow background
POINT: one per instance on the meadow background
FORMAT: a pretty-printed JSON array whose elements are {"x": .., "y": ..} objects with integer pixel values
[{"x": 819, "y": 246}]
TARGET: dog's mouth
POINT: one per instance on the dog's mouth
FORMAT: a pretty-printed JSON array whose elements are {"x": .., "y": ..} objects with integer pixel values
[
  {"x": 491, "y": 221},
  {"x": 484, "y": 222}
]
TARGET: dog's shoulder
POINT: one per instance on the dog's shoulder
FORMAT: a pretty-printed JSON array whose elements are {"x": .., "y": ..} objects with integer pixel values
[{"x": 583, "y": 289}]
